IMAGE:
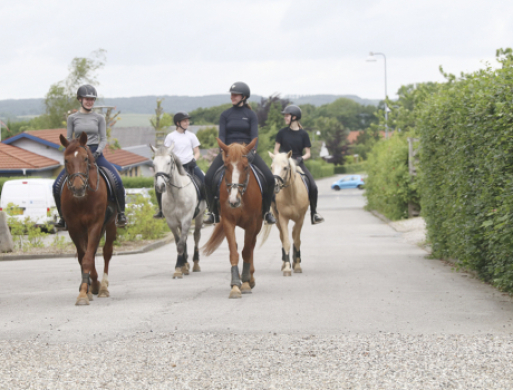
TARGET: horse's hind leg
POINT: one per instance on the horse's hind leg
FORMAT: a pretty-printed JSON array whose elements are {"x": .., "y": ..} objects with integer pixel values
[
  {"x": 283, "y": 227},
  {"x": 180, "y": 248},
  {"x": 296, "y": 237},
  {"x": 110, "y": 237},
  {"x": 198, "y": 222}
]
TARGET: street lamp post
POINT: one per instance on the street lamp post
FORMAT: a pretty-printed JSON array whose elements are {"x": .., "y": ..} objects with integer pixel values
[{"x": 372, "y": 58}]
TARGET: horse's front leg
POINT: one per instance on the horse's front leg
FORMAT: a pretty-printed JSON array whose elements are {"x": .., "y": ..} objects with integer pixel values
[
  {"x": 234, "y": 259},
  {"x": 107, "y": 254},
  {"x": 296, "y": 237},
  {"x": 248, "y": 269},
  {"x": 89, "y": 283},
  {"x": 283, "y": 227},
  {"x": 179, "y": 250}
]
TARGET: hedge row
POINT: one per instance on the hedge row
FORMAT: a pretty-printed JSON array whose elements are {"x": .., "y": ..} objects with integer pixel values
[
  {"x": 389, "y": 187},
  {"x": 466, "y": 179},
  {"x": 320, "y": 168},
  {"x": 351, "y": 168},
  {"x": 137, "y": 182}
]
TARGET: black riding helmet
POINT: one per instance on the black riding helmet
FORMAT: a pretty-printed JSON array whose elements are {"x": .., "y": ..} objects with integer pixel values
[
  {"x": 240, "y": 88},
  {"x": 180, "y": 116},
  {"x": 86, "y": 91},
  {"x": 293, "y": 110}
]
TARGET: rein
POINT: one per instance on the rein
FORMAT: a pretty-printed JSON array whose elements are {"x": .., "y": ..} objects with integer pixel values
[
  {"x": 84, "y": 177},
  {"x": 240, "y": 187}
]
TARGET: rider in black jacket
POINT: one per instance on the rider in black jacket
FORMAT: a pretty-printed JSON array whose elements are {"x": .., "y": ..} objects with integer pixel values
[
  {"x": 239, "y": 124},
  {"x": 296, "y": 139}
]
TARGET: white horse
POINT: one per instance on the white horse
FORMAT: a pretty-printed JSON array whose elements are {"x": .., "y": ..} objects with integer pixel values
[
  {"x": 179, "y": 203},
  {"x": 291, "y": 204}
]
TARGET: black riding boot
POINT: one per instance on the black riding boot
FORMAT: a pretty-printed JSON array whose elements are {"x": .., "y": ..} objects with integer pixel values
[
  {"x": 266, "y": 206},
  {"x": 57, "y": 197},
  {"x": 212, "y": 217},
  {"x": 159, "y": 215},
  {"x": 314, "y": 216},
  {"x": 120, "y": 200}
]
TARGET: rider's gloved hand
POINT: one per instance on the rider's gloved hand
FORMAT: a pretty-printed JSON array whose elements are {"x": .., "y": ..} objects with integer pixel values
[
  {"x": 251, "y": 156},
  {"x": 298, "y": 160},
  {"x": 96, "y": 155}
]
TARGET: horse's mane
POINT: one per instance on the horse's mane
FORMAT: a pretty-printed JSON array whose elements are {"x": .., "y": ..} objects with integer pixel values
[{"x": 164, "y": 151}]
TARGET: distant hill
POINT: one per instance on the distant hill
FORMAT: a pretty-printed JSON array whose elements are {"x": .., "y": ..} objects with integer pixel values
[{"x": 146, "y": 104}]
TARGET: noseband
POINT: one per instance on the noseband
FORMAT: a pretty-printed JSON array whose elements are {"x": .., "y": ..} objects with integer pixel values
[
  {"x": 167, "y": 178},
  {"x": 83, "y": 176},
  {"x": 240, "y": 187},
  {"x": 282, "y": 181}
]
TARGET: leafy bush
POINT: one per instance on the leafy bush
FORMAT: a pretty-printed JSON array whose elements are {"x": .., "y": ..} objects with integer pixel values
[
  {"x": 142, "y": 225},
  {"x": 389, "y": 187},
  {"x": 26, "y": 227},
  {"x": 351, "y": 168},
  {"x": 466, "y": 177}
]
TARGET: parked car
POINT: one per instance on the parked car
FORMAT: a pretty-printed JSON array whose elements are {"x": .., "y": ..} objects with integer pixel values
[
  {"x": 352, "y": 181},
  {"x": 33, "y": 198}
]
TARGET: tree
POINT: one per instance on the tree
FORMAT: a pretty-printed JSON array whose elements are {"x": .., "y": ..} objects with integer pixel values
[
  {"x": 160, "y": 122},
  {"x": 61, "y": 97},
  {"x": 335, "y": 136},
  {"x": 208, "y": 116},
  {"x": 207, "y": 137}
]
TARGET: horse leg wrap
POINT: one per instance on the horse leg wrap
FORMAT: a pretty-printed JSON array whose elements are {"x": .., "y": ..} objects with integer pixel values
[
  {"x": 284, "y": 256},
  {"x": 297, "y": 255},
  {"x": 196, "y": 255},
  {"x": 180, "y": 261},
  {"x": 236, "y": 276},
  {"x": 86, "y": 278},
  {"x": 246, "y": 274}
]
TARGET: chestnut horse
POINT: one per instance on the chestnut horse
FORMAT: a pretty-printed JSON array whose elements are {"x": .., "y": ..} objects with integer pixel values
[
  {"x": 88, "y": 215},
  {"x": 240, "y": 202}
]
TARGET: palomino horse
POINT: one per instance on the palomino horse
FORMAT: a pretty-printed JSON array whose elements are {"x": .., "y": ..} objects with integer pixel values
[
  {"x": 291, "y": 204},
  {"x": 179, "y": 205},
  {"x": 240, "y": 204},
  {"x": 88, "y": 215}
]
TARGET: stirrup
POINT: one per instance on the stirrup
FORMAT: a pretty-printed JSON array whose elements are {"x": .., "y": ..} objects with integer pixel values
[
  {"x": 269, "y": 218},
  {"x": 121, "y": 220},
  {"x": 210, "y": 219},
  {"x": 316, "y": 219},
  {"x": 159, "y": 215},
  {"x": 61, "y": 223}
]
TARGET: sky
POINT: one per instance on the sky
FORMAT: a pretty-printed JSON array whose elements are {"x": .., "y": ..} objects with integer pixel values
[{"x": 291, "y": 47}]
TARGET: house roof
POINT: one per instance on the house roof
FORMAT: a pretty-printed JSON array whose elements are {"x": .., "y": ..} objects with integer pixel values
[
  {"x": 119, "y": 157},
  {"x": 353, "y": 135},
  {"x": 12, "y": 157}
]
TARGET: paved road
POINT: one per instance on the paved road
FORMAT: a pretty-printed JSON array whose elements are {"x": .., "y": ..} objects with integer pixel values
[{"x": 360, "y": 280}]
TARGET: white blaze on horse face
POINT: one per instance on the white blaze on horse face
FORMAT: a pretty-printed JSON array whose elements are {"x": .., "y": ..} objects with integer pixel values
[
  {"x": 76, "y": 153},
  {"x": 235, "y": 180}
]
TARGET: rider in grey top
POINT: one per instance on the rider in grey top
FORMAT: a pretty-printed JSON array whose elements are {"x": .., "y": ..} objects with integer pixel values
[{"x": 93, "y": 124}]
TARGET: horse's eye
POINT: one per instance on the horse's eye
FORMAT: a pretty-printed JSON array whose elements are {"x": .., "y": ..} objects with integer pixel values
[{"x": 286, "y": 168}]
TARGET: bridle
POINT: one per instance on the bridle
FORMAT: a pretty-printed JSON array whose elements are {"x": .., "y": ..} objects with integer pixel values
[
  {"x": 83, "y": 176},
  {"x": 282, "y": 181},
  {"x": 167, "y": 176},
  {"x": 238, "y": 186}
]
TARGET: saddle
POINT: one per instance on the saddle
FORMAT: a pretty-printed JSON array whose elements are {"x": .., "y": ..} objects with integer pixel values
[
  {"x": 219, "y": 174},
  {"x": 197, "y": 185},
  {"x": 306, "y": 181},
  {"x": 110, "y": 180}
]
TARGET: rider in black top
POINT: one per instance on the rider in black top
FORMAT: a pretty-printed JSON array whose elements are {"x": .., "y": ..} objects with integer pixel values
[
  {"x": 239, "y": 124},
  {"x": 296, "y": 139}
]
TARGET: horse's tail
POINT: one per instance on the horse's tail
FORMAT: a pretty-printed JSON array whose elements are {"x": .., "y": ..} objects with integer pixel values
[
  {"x": 264, "y": 233},
  {"x": 215, "y": 240}
]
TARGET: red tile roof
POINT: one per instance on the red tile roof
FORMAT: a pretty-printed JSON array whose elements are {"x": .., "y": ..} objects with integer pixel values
[
  {"x": 118, "y": 157},
  {"x": 12, "y": 157},
  {"x": 353, "y": 135}
]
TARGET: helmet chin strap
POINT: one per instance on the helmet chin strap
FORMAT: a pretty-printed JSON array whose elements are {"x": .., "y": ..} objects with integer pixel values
[
  {"x": 241, "y": 103},
  {"x": 82, "y": 105}
]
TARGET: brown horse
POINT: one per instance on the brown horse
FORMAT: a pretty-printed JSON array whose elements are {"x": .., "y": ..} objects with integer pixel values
[
  {"x": 88, "y": 215},
  {"x": 240, "y": 204}
]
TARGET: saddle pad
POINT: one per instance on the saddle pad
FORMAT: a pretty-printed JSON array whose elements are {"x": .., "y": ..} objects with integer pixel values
[
  {"x": 110, "y": 180},
  {"x": 306, "y": 182},
  {"x": 197, "y": 184}
]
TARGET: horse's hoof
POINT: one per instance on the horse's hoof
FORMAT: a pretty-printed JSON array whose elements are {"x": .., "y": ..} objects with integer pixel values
[
  {"x": 283, "y": 264},
  {"x": 287, "y": 273},
  {"x": 81, "y": 301},
  {"x": 245, "y": 288},
  {"x": 185, "y": 270},
  {"x": 235, "y": 293},
  {"x": 252, "y": 283},
  {"x": 196, "y": 267},
  {"x": 90, "y": 296},
  {"x": 297, "y": 269},
  {"x": 178, "y": 275},
  {"x": 103, "y": 294}
]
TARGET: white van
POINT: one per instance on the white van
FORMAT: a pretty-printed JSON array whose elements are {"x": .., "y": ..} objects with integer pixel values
[{"x": 34, "y": 197}]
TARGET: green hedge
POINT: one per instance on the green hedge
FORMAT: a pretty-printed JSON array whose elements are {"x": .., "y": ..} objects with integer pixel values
[
  {"x": 351, "y": 168},
  {"x": 137, "y": 182},
  {"x": 389, "y": 187},
  {"x": 320, "y": 168},
  {"x": 466, "y": 180}
]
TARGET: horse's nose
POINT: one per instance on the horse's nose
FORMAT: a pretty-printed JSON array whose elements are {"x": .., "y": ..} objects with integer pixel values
[{"x": 235, "y": 204}]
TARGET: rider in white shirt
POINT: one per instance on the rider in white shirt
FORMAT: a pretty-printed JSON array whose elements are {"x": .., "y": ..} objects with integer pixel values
[{"x": 186, "y": 149}]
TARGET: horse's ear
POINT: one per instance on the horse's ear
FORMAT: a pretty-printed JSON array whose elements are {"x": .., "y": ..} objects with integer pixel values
[
  {"x": 222, "y": 145},
  {"x": 289, "y": 154},
  {"x": 271, "y": 155},
  {"x": 83, "y": 139},
  {"x": 251, "y": 145},
  {"x": 153, "y": 148},
  {"x": 64, "y": 141},
  {"x": 170, "y": 149}
]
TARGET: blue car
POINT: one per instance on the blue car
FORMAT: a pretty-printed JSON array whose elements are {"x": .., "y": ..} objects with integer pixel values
[{"x": 352, "y": 181}]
